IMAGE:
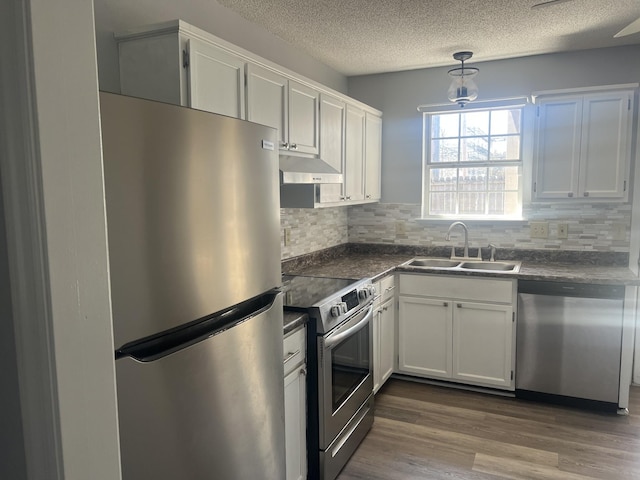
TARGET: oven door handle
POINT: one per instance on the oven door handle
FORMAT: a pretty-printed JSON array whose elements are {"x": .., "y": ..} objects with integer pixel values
[{"x": 335, "y": 339}]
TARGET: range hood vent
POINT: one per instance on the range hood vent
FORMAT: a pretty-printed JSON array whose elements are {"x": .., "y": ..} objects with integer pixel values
[{"x": 299, "y": 169}]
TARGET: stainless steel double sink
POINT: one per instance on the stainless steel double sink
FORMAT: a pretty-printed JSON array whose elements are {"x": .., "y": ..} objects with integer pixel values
[{"x": 465, "y": 265}]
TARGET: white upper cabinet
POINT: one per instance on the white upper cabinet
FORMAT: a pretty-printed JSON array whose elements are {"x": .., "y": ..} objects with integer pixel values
[
  {"x": 216, "y": 80},
  {"x": 177, "y": 67},
  {"x": 583, "y": 145},
  {"x": 332, "y": 122},
  {"x": 354, "y": 154},
  {"x": 372, "y": 156},
  {"x": 267, "y": 100},
  {"x": 178, "y": 63},
  {"x": 289, "y": 106}
]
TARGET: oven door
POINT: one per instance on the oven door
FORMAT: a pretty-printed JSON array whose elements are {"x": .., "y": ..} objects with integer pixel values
[{"x": 345, "y": 378}]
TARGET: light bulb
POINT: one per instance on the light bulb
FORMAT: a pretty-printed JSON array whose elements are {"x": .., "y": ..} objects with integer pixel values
[{"x": 462, "y": 90}]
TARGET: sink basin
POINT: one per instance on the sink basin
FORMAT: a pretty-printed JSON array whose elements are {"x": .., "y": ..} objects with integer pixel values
[
  {"x": 433, "y": 262},
  {"x": 463, "y": 264},
  {"x": 491, "y": 266}
]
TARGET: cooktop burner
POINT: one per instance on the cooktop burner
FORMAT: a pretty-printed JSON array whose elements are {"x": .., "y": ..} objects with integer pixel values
[{"x": 304, "y": 292}]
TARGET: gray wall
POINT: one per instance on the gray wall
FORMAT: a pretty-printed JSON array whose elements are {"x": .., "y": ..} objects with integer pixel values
[
  {"x": 117, "y": 15},
  {"x": 12, "y": 460},
  {"x": 398, "y": 94}
]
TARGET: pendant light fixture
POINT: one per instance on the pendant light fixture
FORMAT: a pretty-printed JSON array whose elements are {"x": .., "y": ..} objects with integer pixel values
[{"x": 463, "y": 89}]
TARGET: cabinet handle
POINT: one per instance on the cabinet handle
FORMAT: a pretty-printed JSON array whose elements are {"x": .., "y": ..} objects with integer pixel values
[
  {"x": 303, "y": 371},
  {"x": 291, "y": 355},
  {"x": 445, "y": 304},
  {"x": 348, "y": 197},
  {"x": 586, "y": 194},
  {"x": 459, "y": 305},
  {"x": 293, "y": 146},
  {"x": 284, "y": 145},
  {"x": 570, "y": 194},
  {"x": 388, "y": 289}
]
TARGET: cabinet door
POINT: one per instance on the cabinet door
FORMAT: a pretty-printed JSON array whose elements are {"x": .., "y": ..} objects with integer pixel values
[
  {"x": 332, "y": 119},
  {"x": 295, "y": 424},
  {"x": 216, "y": 80},
  {"x": 267, "y": 100},
  {"x": 354, "y": 154},
  {"x": 304, "y": 118},
  {"x": 558, "y": 130},
  {"x": 372, "y": 156},
  {"x": 424, "y": 336},
  {"x": 386, "y": 341},
  {"x": 605, "y": 148},
  {"x": 483, "y": 339}
]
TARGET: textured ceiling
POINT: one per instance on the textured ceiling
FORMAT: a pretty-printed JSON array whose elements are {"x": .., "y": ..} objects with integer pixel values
[{"x": 357, "y": 37}]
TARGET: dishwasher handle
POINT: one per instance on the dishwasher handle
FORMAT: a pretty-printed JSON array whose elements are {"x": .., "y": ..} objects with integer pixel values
[{"x": 565, "y": 289}]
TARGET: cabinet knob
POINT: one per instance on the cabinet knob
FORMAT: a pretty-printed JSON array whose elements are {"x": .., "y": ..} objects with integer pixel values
[
  {"x": 570, "y": 194},
  {"x": 303, "y": 371},
  {"x": 368, "y": 196},
  {"x": 284, "y": 145},
  {"x": 445, "y": 304},
  {"x": 293, "y": 146},
  {"x": 586, "y": 194},
  {"x": 348, "y": 197},
  {"x": 459, "y": 305}
]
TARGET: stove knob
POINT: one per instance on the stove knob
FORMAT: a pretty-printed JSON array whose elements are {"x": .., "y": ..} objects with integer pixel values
[
  {"x": 371, "y": 289},
  {"x": 343, "y": 307},
  {"x": 336, "y": 310},
  {"x": 363, "y": 294}
]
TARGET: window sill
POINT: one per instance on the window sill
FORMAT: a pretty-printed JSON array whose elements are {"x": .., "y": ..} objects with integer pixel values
[{"x": 473, "y": 220}]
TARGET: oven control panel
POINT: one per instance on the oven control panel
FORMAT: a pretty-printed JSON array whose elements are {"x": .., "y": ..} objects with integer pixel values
[{"x": 351, "y": 300}]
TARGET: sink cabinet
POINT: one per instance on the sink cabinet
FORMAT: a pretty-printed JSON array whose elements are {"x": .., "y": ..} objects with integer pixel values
[
  {"x": 295, "y": 404},
  {"x": 457, "y": 329}
]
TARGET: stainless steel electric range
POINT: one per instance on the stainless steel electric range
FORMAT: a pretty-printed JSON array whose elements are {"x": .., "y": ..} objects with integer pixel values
[{"x": 340, "y": 378}]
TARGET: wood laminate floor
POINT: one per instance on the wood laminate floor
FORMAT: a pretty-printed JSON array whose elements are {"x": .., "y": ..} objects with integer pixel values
[{"x": 430, "y": 432}]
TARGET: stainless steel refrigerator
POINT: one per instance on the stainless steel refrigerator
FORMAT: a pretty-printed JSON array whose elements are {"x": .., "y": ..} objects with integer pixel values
[{"x": 194, "y": 250}]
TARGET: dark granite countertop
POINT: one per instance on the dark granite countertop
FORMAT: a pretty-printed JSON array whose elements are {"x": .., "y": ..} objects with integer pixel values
[
  {"x": 293, "y": 320},
  {"x": 375, "y": 261}
]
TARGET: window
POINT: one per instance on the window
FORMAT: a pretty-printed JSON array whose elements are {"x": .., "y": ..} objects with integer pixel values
[{"x": 473, "y": 163}]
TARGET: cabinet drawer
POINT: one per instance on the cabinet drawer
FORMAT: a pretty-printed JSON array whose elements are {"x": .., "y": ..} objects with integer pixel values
[
  {"x": 387, "y": 288},
  {"x": 294, "y": 351},
  {"x": 441, "y": 286}
]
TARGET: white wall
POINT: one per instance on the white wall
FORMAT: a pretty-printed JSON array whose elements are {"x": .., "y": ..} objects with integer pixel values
[
  {"x": 52, "y": 188},
  {"x": 398, "y": 94},
  {"x": 117, "y": 15}
]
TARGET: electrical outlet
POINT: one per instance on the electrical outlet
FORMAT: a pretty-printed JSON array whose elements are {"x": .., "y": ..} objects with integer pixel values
[
  {"x": 401, "y": 227},
  {"x": 287, "y": 236},
  {"x": 539, "y": 229},
  {"x": 563, "y": 230},
  {"x": 619, "y": 232}
]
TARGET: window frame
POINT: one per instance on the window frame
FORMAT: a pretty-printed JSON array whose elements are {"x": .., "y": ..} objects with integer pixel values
[{"x": 428, "y": 111}]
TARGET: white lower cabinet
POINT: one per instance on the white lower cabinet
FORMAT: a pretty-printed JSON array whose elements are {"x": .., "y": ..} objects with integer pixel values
[
  {"x": 384, "y": 327},
  {"x": 295, "y": 405},
  {"x": 458, "y": 329}
]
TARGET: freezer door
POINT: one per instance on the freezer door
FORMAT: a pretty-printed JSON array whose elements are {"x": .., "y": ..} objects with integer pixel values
[
  {"x": 193, "y": 213},
  {"x": 213, "y": 410}
]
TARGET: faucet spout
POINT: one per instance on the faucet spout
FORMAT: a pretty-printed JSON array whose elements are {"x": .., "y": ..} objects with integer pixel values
[{"x": 466, "y": 236}]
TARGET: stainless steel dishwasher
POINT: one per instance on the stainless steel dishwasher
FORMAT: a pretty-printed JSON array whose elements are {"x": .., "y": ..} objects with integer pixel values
[{"x": 569, "y": 340}]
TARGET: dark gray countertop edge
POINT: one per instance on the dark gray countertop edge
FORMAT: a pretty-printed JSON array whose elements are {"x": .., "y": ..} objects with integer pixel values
[{"x": 294, "y": 320}]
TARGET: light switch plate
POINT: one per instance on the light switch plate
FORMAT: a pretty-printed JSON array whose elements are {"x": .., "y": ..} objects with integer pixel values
[
  {"x": 287, "y": 236},
  {"x": 563, "y": 230}
]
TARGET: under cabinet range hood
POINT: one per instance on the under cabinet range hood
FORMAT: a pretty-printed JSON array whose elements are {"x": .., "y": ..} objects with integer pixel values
[{"x": 300, "y": 169}]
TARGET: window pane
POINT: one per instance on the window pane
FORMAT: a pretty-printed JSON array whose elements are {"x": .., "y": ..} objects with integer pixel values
[
  {"x": 504, "y": 122},
  {"x": 474, "y": 123},
  {"x": 472, "y": 179},
  {"x": 504, "y": 178},
  {"x": 443, "y": 179},
  {"x": 445, "y": 125},
  {"x": 503, "y": 203},
  {"x": 471, "y": 203},
  {"x": 444, "y": 151},
  {"x": 474, "y": 149},
  {"x": 442, "y": 203},
  {"x": 505, "y": 148}
]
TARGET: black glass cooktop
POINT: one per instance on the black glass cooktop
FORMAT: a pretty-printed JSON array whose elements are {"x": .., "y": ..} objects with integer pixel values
[{"x": 303, "y": 292}]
